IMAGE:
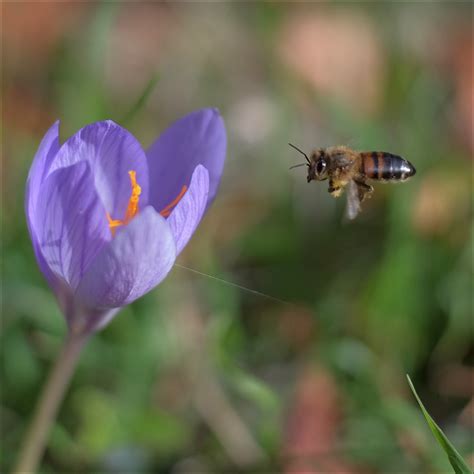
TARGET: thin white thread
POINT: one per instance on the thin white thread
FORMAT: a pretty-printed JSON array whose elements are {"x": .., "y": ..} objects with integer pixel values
[{"x": 235, "y": 285}]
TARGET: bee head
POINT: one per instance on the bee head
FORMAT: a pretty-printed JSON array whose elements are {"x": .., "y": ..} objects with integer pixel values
[{"x": 318, "y": 166}]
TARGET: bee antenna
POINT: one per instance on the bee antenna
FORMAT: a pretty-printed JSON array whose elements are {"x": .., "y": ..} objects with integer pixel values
[
  {"x": 297, "y": 166},
  {"x": 302, "y": 152}
]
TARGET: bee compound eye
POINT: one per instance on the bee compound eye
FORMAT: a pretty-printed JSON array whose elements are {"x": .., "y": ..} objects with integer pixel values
[{"x": 320, "y": 166}]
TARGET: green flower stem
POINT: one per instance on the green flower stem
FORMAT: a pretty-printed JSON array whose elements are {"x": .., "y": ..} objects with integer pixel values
[{"x": 36, "y": 438}]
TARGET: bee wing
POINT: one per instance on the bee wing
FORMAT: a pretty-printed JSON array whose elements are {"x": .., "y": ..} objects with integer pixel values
[{"x": 353, "y": 201}]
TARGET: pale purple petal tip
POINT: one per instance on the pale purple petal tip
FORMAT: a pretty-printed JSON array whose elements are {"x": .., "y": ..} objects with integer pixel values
[
  {"x": 47, "y": 150},
  {"x": 136, "y": 260},
  {"x": 111, "y": 152},
  {"x": 198, "y": 138},
  {"x": 188, "y": 213}
]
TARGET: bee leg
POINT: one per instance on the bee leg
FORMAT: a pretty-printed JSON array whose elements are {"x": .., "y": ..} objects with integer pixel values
[
  {"x": 334, "y": 189},
  {"x": 364, "y": 190}
]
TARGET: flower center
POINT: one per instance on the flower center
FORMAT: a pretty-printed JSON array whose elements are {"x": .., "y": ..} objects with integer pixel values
[{"x": 132, "y": 208}]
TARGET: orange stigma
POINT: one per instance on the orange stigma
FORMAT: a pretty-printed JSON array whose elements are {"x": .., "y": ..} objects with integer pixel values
[
  {"x": 167, "y": 210},
  {"x": 133, "y": 209}
]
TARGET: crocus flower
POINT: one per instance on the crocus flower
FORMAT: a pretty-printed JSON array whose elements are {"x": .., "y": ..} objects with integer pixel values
[{"x": 107, "y": 219}]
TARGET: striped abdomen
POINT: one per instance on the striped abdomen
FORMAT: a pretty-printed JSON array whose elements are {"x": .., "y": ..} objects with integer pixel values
[{"x": 384, "y": 166}]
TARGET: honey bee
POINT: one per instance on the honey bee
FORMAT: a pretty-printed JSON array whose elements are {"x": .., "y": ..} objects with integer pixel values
[{"x": 345, "y": 167}]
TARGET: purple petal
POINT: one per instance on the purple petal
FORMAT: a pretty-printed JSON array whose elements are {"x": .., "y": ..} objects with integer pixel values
[
  {"x": 96, "y": 321},
  {"x": 111, "y": 152},
  {"x": 136, "y": 260},
  {"x": 70, "y": 222},
  {"x": 188, "y": 213},
  {"x": 198, "y": 138},
  {"x": 47, "y": 150}
]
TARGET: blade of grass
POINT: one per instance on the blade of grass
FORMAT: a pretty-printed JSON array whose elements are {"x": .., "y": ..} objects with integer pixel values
[
  {"x": 102, "y": 22},
  {"x": 141, "y": 100},
  {"x": 79, "y": 70},
  {"x": 457, "y": 462}
]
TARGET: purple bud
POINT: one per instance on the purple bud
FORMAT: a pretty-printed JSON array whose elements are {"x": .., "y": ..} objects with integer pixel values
[{"x": 107, "y": 219}]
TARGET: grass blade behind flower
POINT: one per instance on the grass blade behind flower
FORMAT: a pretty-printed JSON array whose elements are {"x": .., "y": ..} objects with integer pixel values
[
  {"x": 141, "y": 101},
  {"x": 457, "y": 462}
]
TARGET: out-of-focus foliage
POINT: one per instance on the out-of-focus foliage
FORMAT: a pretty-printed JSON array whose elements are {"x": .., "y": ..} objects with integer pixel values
[{"x": 200, "y": 375}]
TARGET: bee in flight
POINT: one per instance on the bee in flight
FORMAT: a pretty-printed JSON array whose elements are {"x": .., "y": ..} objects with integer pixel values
[{"x": 345, "y": 167}]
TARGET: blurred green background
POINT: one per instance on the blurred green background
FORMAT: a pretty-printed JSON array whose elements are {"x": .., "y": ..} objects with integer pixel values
[{"x": 199, "y": 375}]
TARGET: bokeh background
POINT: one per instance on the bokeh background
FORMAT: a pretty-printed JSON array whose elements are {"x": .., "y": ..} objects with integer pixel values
[{"x": 201, "y": 375}]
